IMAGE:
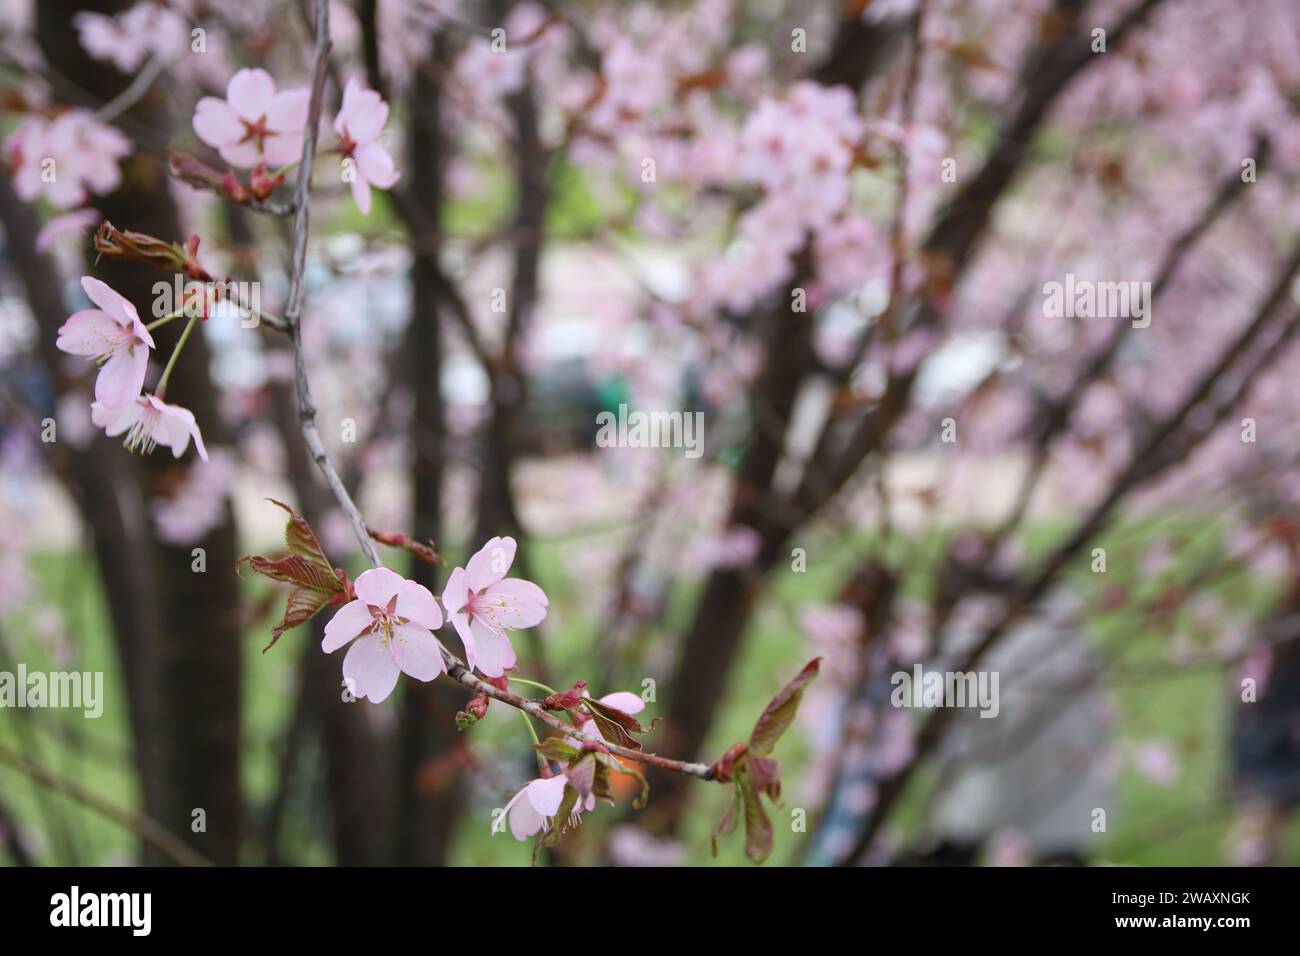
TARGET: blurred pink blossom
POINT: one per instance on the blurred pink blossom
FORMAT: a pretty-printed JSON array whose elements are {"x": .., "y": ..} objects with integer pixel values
[{"x": 254, "y": 123}]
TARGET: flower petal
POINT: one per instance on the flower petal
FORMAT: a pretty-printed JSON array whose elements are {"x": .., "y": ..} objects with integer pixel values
[
  {"x": 111, "y": 301},
  {"x": 369, "y": 669},
  {"x": 547, "y": 795},
  {"x": 216, "y": 123},
  {"x": 625, "y": 701},
  {"x": 361, "y": 193},
  {"x": 250, "y": 93},
  {"x": 349, "y": 621},
  {"x": 288, "y": 111},
  {"x": 524, "y": 819},
  {"x": 89, "y": 332},
  {"x": 495, "y": 654},
  {"x": 491, "y": 563},
  {"x": 455, "y": 594},
  {"x": 515, "y": 602},
  {"x": 121, "y": 377},
  {"x": 283, "y": 149},
  {"x": 378, "y": 585},
  {"x": 416, "y": 603},
  {"x": 376, "y": 165},
  {"x": 461, "y": 623},
  {"x": 417, "y": 652}
]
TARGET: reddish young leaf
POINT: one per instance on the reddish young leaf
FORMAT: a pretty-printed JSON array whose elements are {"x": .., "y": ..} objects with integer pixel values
[
  {"x": 316, "y": 582},
  {"x": 780, "y": 711}
]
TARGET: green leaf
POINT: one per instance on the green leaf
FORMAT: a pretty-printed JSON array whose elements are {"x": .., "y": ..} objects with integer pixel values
[
  {"x": 779, "y": 713},
  {"x": 557, "y": 750}
]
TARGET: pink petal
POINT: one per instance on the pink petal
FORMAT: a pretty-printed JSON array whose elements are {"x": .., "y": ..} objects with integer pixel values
[
  {"x": 288, "y": 111},
  {"x": 417, "y": 652},
  {"x": 524, "y": 820},
  {"x": 361, "y": 193},
  {"x": 625, "y": 701},
  {"x": 250, "y": 93},
  {"x": 110, "y": 301},
  {"x": 369, "y": 669},
  {"x": 376, "y": 165},
  {"x": 491, "y": 563},
  {"x": 283, "y": 149},
  {"x": 349, "y": 621},
  {"x": 415, "y": 603},
  {"x": 216, "y": 123},
  {"x": 455, "y": 594},
  {"x": 516, "y": 602},
  {"x": 495, "y": 654},
  {"x": 121, "y": 377},
  {"x": 461, "y": 623},
  {"x": 175, "y": 428},
  {"x": 118, "y": 419},
  {"x": 378, "y": 585},
  {"x": 547, "y": 795},
  {"x": 240, "y": 155},
  {"x": 89, "y": 332},
  {"x": 366, "y": 118}
]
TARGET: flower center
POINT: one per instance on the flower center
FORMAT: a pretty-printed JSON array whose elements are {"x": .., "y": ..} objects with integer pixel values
[{"x": 385, "y": 620}]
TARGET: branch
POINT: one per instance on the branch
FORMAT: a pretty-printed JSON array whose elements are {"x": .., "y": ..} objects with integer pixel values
[
  {"x": 147, "y": 828},
  {"x": 307, "y": 418}
]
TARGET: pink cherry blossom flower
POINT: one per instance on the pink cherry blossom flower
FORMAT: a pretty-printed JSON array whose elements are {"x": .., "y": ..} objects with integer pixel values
[
  {"x": 254, "y": 123},
  {"x": 533, "y": 807},
  {"x": 65, "y": 158},
  {"x": 483, "y": 604},
  {"x": 112, "y": 335},
  {"x": 149, "y": 422},
  {"x": 392, "y": 620},
  {"x": 66, "y": 226},
  {"x": 360, "y": 121}
]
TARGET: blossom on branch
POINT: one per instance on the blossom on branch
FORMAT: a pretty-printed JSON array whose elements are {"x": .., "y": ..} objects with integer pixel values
[
  {"x": 360, "y": 121},
  {"x": 254, "y": 123},
  {"x": 393, "y": 620},
  {"x": 112, "y": 335},
  {"x": 149, "y": 422},
  {"x": 483, "y": 604}
]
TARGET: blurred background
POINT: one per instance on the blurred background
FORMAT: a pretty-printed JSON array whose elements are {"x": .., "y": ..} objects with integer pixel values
[{"x": 828, "y": 227}]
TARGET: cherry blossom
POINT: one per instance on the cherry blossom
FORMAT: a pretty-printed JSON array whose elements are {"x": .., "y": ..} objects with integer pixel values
[
  {"x": 532, "y": 808},
  {"x": 114, "y": 336},
  {"x": 360, "y": 121},
  {"x": 65, "y": 158},
  {"x": 65, "y": 227},
  {"x": 149, "y": 422},
  {"x": 392, "y": 620},
  {"x": 483, "y": 604},
  {"x": 254, "y": 123}
]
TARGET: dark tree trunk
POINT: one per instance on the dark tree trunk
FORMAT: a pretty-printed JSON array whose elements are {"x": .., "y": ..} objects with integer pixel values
[{"x": 190, "y": 670}]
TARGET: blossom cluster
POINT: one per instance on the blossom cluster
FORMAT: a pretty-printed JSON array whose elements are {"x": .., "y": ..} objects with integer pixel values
[{"x": 391, "y": 621}]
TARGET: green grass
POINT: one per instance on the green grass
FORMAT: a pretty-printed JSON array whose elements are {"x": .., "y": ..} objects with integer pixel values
[{"x": 1180, "y": 824}]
